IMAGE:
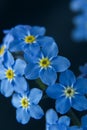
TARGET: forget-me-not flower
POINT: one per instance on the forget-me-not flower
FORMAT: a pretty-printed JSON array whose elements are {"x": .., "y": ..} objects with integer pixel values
[
  {"x": 69, "y": 92},
  {"x": 24, "y": 37},
  {"x": 46, "y": 64},
  {"x": 11, "y": 75},
  {"x": 27, "y": 105}
]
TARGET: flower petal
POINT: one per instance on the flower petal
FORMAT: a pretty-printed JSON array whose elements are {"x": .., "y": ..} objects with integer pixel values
[
  {"x": 81, "y": 85},
  {"x": 2, "y": 72},
  {"x": 16, "y": 46},
  {"x": 16, "y": 100},
  {"x": 67, "y": 78},
  {"x": 64, "y": 120},
  {"x": 60, "y": 63},
  {"x": 32, "y": 49},
  {"x": 35, "y": 95},
  {"x": 9, "y": 59},
  {"x": 65, "y": 103},
  {"x": 36, "y": 111},
  {"x": 48, "y": 47},
  {"x": 37, "y": 31},
  {"x": 32, "y": 71},
  {"x": 22, "y": 116},
  {"x": 6, "y": 88},
  {"x": 20, "y": 31},
  {"x": 51, "y": 117},
  {"x": 48, "y": 76},
  {"x": 55, "y": 127},
  {"x": 79, "y": 103},
  {"x": 20, "y": 84},
  {"x": 19, "y": 66},
  {"x": 8, "y": 39},
  {"x": 54, "y": 91}
]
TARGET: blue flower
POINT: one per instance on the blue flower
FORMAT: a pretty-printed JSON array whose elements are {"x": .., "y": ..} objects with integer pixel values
[
  {"x": 24, "y": 37},
  {"x": 55, "y": 123},
  {"x": 11, "y": 75},
  {"x": 27, "y": 105},
  {"x": 80, "y": 32},
  {"x": 69, "y": 92},
  {"x": 46, "y": 63},
  {"x": 78, "y": 5}
]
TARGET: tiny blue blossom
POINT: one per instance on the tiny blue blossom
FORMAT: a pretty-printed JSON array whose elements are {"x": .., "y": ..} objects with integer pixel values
[
  {"x": 11, "y": 75},
  {"x": 55, "y": 123},
  {"x": 69, "y": 92},
  {"x": 46, "y": 64},
  {"x": 24, "y": 37},
  {"x": 26, "y": 105}
]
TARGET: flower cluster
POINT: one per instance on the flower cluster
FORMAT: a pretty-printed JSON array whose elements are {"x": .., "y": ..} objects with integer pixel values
[
  {"x": 80, "y": 21},
  {"x": 27, "y": 54}
]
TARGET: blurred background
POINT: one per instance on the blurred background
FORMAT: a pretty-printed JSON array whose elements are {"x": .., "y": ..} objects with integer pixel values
[{"x": 56, "y": 17}]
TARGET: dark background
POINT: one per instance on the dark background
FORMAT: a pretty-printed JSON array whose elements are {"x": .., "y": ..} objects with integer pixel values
[{"x": 56, "y": 17}]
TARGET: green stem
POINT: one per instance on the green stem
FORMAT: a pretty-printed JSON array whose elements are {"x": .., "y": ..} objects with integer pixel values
[
  {"x": 41, "y": 85},
  {"x": 74, "y": 118}
]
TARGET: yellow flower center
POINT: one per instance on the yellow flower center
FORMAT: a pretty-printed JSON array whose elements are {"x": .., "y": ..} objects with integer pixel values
[
  {"x": 69, "y": 92},
  {"x": 2, "y": 50},
  {"x": 24, "y": 102},
  {"x": 10, "y": 74},
  {"x": 29, "y": 39},
  {"x": 44, "y": 62}
]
